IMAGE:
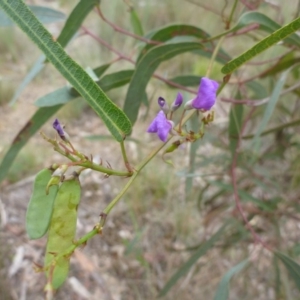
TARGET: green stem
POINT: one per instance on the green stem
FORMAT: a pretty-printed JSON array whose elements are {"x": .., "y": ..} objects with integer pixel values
[
  {"x": 138, "y": 169},
  {"x": 231, "y": 14},
  {"x": 213, "y": 57},
  {"x": 126, "y": 162},
  {"x": 86, "y": 164}
]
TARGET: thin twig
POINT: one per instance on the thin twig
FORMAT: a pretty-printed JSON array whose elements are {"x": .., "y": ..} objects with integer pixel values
[{"x": 125, "y": 32}]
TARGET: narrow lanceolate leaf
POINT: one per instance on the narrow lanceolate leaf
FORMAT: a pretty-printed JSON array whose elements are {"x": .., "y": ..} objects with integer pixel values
[
  {"x": 292, "y": 267},
  {"x": 186, "y": 80},
  {"x": 31, "y": 127},
  {"x": 235, "y": 125},
  {"x": 44, "y": 14},
  {"x": 193, "y": 259},
  {"x": 270, "y": 109},
  {"x": 223, "y": 288},
  {"x": 75, "y": 20},
  {"x": 115, "y": 120},
  {"x": 136, "y": 22},
  {"x": 266, "y": 43},
  {"x": 62, "y": 231},
  {"x": 39, "y": 210},
  {"x": 71, "y": 26},
  {"x": 170, "y": 32},
  {"x": 146, "y": 68}
]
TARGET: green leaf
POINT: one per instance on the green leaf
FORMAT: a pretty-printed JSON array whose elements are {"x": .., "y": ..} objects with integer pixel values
[
  {"x": 144, "y": 70},
  {"x": 269, "y": 109},
  {"x": 292, "y": 267},
  {"x": 62, "y": 230},
  {"x": 39, "y": 210},
  {"x": 71, "y": 26},
  {"x": 44, "y": 14},
  {"x": 75, "y": 20},
  {"x": 60, "y": 96},
  {"x": 115, "y": 80},
  {"x": 99, "y": 71},
  {"x": 31, "y": 127},
  {"x": 235, "y": 125},
  {"x": 169, "y": 32},
  {"x": 194, "y": 123},
  {"x": 115, "y": 120},
  {"x": 65, "y": 94},
  {"x": 284, "y": 63},
  {"x": 264, "y": 44},
  {"x": 186, "y": 80},
  {"x": 223, "y": 288},
  {"x": 136, "y": 22},
  {"x": 36, "y": 68},
  {"x": 192, "y": 260}
]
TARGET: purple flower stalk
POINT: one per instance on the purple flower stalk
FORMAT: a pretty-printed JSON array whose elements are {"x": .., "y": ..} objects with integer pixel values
[
  {"x": 161, "y": 125},
  {"x": 177, "y": 103},
  {"x": 206, "y": 96},
  {"x": 163, "y": 104},
  {"x": 63, "y": 135}
]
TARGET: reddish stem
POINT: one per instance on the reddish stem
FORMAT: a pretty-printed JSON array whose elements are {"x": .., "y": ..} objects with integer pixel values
[
  {"x": 122, "y": 56},
  {"x": 128, "y": 33},
  {"x": 238, "y": 205}
]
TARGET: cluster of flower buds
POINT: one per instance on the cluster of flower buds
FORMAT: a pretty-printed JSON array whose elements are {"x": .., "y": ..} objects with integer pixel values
[{"x": 204, "y": 101}]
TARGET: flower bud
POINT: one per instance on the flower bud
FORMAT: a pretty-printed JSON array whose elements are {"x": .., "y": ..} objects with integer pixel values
[
  {"x": 163, "y": 104},
  {"x": 59, "y": 129},
  {"x": 177, "y": 103}
]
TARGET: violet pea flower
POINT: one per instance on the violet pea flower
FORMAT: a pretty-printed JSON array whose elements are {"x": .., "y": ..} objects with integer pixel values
[
  {"x": 63, "y": 135},
  {"x": 177, "y": 103},
  {"x": 161, "y": 125},
  {"x": 206, "y": 96}
]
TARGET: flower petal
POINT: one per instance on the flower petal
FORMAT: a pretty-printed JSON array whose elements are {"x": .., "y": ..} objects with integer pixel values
[
  {"x": 160, "y": 125},
  {"x": 206, "y": 96}
]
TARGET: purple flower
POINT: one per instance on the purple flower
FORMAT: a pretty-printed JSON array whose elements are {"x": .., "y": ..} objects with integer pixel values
[
  {"x": 206, "y": 96},
  {"x": 163, "y": 104},
  {"x": 161, "y": 125},
  {"x": 177, "y": 103},
  {"x": 63, "y": 135}
]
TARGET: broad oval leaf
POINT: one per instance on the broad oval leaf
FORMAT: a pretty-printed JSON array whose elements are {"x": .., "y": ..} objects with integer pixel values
[
  {"x": 146, "y": 68},
  {"x": 39, "y": 210},
  {"x": 62, "y": 231},
  {"x": 113, "y": 117}
]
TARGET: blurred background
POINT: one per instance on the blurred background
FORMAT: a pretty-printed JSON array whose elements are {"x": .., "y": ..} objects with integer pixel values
[{"x": 171, "y": 210}]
